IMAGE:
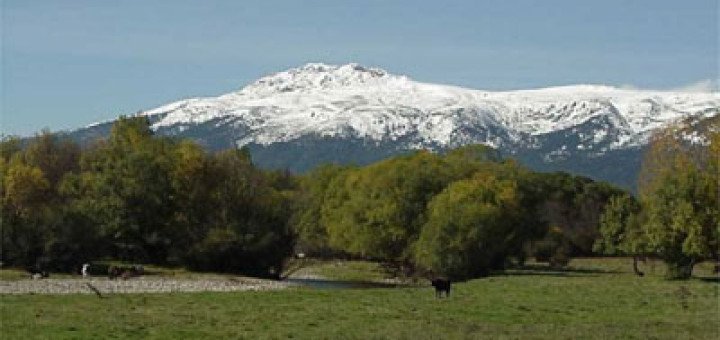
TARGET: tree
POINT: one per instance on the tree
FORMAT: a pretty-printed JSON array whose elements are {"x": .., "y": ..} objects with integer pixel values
[
  {"x": 471, "y": 227},
  {"x": 55, "y": 155},
  {"x": 679, "y": 219},
  {"x": 194, "y": 181},
  {"x": 141, "y": 198},
  {"x": 680, "y": 201},
  {"x": 621, "y": 230},
  {"x": 249, "y": 230},
  {"x": 571, "y": 206},
  {"x": 24, "y": 212},
  {"x": 464, "y": 161},
  {"x": 9, "y": 146},
  {"x": 307, "y": 218},
  {"x": 618, "y": 224},
  {"x": 377, "y": 211},
  {"x": 125, "y": 188}
]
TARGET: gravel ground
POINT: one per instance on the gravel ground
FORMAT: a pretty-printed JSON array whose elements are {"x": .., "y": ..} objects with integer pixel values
[{"x": 137, "y": 285}]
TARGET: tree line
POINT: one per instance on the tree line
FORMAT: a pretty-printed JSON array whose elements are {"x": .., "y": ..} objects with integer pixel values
[
  {"x": 676, "y": 215},
  {"x": 460, "y": 214},
  {"x": 137, "y": 197},
  {"x": 141, "y": 198}
]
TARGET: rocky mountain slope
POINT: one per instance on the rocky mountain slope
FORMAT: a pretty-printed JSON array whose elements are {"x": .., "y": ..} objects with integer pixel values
[{"x": 354, "y": 114}]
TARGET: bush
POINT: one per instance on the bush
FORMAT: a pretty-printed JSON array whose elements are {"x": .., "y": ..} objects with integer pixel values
[{"x": 471, "y": 227}]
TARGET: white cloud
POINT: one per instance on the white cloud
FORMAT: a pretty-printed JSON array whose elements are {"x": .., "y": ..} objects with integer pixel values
[
  {"x": 629, "y": 87},
  {"x": 705, "y": 85}
]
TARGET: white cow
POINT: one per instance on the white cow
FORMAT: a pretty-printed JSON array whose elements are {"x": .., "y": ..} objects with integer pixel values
[{"x": 84, "y": 270}]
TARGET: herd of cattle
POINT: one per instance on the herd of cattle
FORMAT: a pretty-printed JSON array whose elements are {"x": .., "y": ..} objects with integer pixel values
[
  {"x": 113, "y": 271},
  {"x": 125, "y": 273}
]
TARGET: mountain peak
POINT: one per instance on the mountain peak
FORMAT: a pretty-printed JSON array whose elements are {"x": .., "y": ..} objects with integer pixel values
[
  {"x": 313, "y": 76},
  {"x": 354, "y": 100},
  {"x": 353, "y": 113}
]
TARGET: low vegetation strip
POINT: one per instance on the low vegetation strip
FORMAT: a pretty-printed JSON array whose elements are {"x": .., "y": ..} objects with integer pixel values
[{"x": 140, "y": 285}]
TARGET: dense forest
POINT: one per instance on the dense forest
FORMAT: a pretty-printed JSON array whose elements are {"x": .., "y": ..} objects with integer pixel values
[{"x": 142, "y": 198}]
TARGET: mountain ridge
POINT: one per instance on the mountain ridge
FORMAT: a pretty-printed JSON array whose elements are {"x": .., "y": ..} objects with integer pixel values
[{"x": 320, "y": 103}]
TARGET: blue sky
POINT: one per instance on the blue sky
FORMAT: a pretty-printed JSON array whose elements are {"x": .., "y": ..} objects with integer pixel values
[{"x": 69, "y": 63}]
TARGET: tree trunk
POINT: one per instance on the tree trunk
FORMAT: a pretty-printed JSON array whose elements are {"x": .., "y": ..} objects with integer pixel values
[{"x": 636, "y": 270}]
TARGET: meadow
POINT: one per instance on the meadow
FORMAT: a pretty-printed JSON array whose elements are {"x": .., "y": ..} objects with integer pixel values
[{"x": 592, "y": 298}]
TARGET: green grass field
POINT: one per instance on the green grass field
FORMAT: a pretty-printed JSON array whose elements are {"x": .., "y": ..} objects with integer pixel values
[{"x": 595, "y": 298}]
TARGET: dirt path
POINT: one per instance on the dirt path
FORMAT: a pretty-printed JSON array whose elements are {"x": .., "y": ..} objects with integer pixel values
[{"x": 137, "y": 285}]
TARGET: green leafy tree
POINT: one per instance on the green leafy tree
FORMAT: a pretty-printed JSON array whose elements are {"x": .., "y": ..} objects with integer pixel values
[
  {"x": 471, "y": 227},
  {"x": 307, "y": 218},
  {"x": 55, "y": 155},
  {"x": 377, "y": 211},
  {"x": 619, "y": 227},
  {"x": 9, "y": 146},
  {"x": 249, "y": 230},
  {"x": 572, "y": 205},
  {"x": 194, "y": 181},
  {"x": 679, "y": 219},
  {"x": 142, "y": 198},
  {"x": 125, "y": 187},
  {"x": 680, "y": 202},
  {"x": 24, "y": 212}
]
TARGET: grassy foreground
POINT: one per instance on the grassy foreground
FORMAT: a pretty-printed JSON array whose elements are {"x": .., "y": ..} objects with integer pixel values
[{"x": 595, "y": 299}]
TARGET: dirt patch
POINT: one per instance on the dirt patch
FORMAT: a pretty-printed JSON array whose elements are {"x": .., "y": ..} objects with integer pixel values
[{"x": 137, "y": 285}]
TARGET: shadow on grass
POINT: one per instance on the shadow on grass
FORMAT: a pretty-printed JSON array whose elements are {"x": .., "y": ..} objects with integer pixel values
[
  {"x": 551, "y": 271},
  {"x": 569, "y": 269},
  {"x": 337, "y": 284},
  {"x": 710, "y": 279},
  {"x": 543, "y": 273}
]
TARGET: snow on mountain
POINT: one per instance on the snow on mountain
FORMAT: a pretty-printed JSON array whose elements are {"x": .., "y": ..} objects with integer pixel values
[{"x": 356, "y": 101}]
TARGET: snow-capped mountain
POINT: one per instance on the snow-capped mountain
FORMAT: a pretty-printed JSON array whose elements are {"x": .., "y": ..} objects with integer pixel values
[{"x": 372, "y": 113}]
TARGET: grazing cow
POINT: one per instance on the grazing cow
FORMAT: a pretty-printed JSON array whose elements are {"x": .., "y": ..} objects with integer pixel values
[
  {"x": 125, "y": 272},
  {"x": 441, "y": 285}
]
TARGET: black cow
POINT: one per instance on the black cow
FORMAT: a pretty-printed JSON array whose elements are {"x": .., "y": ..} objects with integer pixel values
[{"x": 441, "y": 285}]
